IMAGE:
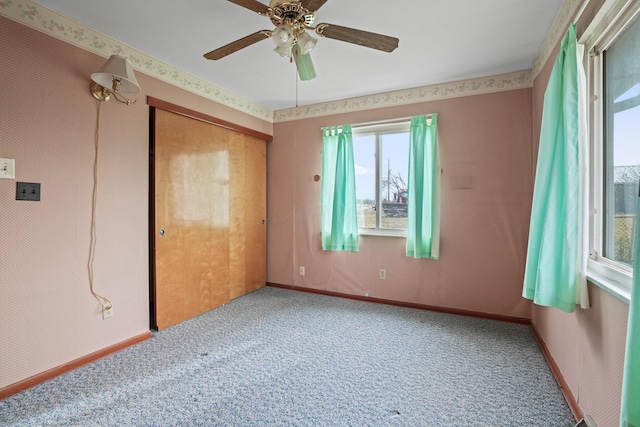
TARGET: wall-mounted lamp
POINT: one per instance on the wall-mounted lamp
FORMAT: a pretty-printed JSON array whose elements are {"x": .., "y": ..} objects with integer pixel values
[{"x": 115, "y": 76}]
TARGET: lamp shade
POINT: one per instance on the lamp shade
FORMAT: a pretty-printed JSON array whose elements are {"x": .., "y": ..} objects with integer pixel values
[
  {"x": 283, "y": 50},
  {"x": 306, "y": 42},
  {"x": 117, "y": 69},
  {"x": 282, "y": 35}
]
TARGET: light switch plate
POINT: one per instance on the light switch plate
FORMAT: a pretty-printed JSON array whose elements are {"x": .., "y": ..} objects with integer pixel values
[
  {"x": 8, "y": 168},
  {"x": 28, "y": 191}
]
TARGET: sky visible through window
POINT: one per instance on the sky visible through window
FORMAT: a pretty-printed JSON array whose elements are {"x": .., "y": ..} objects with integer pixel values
[
  {"x": 622, "y": 87},
  {"x": 395, "y": 148},
  {"x": 627, "y": 131}
]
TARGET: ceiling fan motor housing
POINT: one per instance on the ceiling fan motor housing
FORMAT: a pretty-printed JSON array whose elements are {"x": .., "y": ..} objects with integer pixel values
[{"x": 290, "y": 13}]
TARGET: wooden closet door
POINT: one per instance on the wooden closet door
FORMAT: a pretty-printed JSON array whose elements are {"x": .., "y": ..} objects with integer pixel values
[
  {"x": 248, "y": 188},
  {"x": 191, "y": 217},
  {"x": 255, "y": 169}
]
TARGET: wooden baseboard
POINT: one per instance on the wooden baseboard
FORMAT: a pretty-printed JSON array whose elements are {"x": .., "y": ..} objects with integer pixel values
[
  {"x": 59, "y": 370},
  {"x": 555, "y": 370},
  {"x": 490, "y": 316}
]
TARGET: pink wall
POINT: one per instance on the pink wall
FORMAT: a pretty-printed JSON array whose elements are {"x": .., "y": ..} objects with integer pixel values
[
  {"x": 47, "y": 123},
  {"x": 48, "y": 317},
  {"x": 588, "y": 345},
  {"x": 484, "y": 229}
]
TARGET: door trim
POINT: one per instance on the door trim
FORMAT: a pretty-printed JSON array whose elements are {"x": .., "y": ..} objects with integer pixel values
[
  {"x": 152, "y": 220},
  {"x": 173, "y": 108}
]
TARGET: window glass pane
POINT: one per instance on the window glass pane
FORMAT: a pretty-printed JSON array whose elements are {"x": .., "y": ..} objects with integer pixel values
[
  {"x": 364, "y": 154},
  {"x": 393, "y": 191},
  {"x": 622, "y": 144}
]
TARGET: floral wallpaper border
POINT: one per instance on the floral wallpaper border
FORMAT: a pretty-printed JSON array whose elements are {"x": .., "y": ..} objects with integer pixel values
[
  {"x": 47, "y": 21},
  {"x": 517, "y": 80},
  {"x": 566, "y": 14}
]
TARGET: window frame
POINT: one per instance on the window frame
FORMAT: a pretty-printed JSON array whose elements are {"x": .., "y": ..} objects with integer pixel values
[
  {"x": 378, "y": 129},
  {"x": 611, "y": 21}
]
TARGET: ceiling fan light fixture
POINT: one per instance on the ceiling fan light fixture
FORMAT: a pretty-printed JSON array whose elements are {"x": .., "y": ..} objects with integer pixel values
[
  {"x": 283, "y": 35},
  {"x": 306, "y": 71},
  {"x": 306, "y": 42},
  {"x": 283, "y": 50}
]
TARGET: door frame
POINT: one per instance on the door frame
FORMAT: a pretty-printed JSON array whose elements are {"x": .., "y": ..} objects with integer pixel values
[{"x": 155, "y": 103}]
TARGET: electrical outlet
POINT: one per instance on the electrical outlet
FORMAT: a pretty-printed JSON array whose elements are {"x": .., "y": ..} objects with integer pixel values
[
  {"x": 383, "y": 274},
  {"x": 587, "y": 421},
  {"x": 107, "y": 311},
  {"x": 301, "y": 270}
]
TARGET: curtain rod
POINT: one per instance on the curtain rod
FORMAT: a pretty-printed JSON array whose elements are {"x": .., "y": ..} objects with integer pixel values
[
  {"x": 385, "y": 122},
  {"x": 389, "y": 121},
  {"x": 578, "y": 14}
]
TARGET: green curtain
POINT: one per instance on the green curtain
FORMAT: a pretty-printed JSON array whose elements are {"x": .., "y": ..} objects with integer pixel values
[
  {"x": 423, "y": 228},
  {"x": 339, "y": 213},
  {"x": 552, "y": 275},
  {"x": 630, "y": 406}
]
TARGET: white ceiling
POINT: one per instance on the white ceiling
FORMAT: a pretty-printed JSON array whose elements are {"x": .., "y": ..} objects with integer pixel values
[{"x": 440, "y": 41}]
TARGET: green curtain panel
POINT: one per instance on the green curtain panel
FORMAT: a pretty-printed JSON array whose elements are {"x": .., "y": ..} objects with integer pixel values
[
  {"x": 630, "y": 405},
  {"x": 552, "y": 275},
  {"x": 423, "y": 228},
  {"x": 339, "y": 213}
]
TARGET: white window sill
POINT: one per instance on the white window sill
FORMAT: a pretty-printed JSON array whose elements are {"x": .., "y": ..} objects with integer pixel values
[
  {"x": 612, "y": 280},
  {"x": 382, "y": 233}
]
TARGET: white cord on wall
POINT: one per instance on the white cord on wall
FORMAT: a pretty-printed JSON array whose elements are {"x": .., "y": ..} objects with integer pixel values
[{"x": 106, "y": 303}]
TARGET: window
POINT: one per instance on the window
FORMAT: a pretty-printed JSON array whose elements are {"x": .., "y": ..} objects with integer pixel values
[
  {"x": 381, "y": 155},
  {"x": 621, "y": 87},
  {"x": 614, "y": 82}
]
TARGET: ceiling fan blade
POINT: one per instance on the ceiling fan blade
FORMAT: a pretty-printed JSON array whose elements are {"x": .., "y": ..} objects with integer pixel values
[
  {"x": 363, "y": 38},
  {"x": 313, "y": 5},
  {"x": 254, "y": 5},
  {"x": 235, "y": 46}
]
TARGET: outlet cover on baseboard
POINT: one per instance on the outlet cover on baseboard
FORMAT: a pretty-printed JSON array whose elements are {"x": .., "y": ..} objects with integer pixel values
[{"x": 107, "y": 311}]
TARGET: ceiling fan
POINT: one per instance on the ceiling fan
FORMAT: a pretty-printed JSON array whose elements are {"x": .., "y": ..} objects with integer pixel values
[{"x": 291, "y": 19}]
